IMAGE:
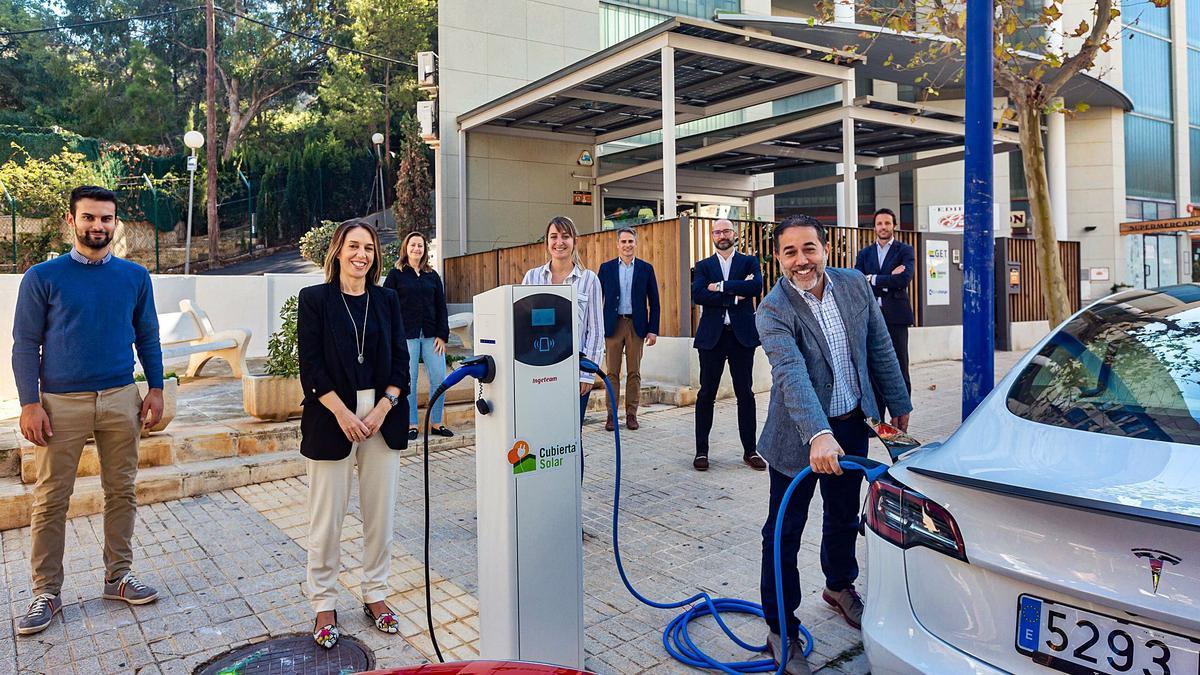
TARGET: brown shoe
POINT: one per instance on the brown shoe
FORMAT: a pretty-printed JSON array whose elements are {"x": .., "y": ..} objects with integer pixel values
[
  {"x": 755, "y": 462},
  {"x": 631, "y": 423},
  {"x": 700, "y": 463},
  {"x": 608, "y": 424},
  {"x": 848, "y": 603}
]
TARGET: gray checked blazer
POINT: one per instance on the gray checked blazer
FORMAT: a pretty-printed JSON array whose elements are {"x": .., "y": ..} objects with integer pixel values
[{"x": 801, "y": 375}]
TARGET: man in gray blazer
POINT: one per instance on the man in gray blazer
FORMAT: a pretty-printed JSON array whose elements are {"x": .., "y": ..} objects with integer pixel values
[{"x": 826, "y": 341}]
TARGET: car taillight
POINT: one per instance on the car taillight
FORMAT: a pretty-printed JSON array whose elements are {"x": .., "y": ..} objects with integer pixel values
[{"x": 907, "y": 518}]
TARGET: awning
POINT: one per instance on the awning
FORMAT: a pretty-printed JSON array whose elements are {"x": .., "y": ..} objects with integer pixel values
[{"x": 877, "y": 44}]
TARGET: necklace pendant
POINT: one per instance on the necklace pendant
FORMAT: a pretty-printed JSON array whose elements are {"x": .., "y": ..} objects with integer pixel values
[{"x": 360, "y": 358}]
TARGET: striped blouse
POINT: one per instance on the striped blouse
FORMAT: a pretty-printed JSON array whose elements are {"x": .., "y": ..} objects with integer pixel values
[{"x": 591, "y": 309}]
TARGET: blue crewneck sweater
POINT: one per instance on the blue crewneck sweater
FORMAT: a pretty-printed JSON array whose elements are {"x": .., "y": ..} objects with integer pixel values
[{"x": 76, "y": 325}]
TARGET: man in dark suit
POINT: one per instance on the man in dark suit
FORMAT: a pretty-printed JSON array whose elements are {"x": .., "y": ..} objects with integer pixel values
[
  {"x": 889, "y": 265},
  {"x": 725, "y": 285},
  {"x": 630, "y": 320},
  {"x": 826, "y": 340}
]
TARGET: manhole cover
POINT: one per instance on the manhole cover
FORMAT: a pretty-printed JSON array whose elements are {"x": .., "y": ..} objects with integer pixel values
[{"x": 293, "y": 654}]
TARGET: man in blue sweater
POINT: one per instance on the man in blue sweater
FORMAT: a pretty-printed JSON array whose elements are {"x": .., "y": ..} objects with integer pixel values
[{"x": 78, "y": 317}]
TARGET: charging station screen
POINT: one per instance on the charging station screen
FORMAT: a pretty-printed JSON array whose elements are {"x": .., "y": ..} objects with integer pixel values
[
  {"x": 542, "y": 317},
  {"x": 540, "y": 336}
]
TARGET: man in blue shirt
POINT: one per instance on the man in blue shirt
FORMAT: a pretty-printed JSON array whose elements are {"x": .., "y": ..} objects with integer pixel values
[
  {"x": 631, "y": 313},
  {"x": 78, "y": 317}
]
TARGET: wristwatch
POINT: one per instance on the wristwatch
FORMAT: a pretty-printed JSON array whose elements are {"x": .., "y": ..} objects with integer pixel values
[{"x": 394, "y": 400}]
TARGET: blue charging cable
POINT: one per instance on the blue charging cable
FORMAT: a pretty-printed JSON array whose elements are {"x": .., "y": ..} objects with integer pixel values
[{"x": 675, "y": 637}]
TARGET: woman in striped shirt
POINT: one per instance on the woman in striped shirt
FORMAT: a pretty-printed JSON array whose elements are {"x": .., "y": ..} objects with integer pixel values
[{"x": 565, "y": 267}]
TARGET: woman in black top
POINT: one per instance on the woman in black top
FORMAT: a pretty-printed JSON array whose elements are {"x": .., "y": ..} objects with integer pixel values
[
  {"x": 423, "y": 305},
  {"x": 354, "y": 370}
]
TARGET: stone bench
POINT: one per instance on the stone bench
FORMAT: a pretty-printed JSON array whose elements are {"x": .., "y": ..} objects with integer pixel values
[{"x": 189, "y": 332}]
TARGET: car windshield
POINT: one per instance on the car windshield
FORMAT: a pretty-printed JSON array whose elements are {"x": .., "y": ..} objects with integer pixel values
[{"x": 1128, "y": 366}]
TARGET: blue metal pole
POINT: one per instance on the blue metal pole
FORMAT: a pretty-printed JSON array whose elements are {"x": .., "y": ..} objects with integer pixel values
[{"x": 979, "y": 244}]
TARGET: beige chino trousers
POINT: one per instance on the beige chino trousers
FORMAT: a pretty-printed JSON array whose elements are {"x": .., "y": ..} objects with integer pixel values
[
  {"x": 111, "y": 416},
  {"x": 329, "y": 484},
  {"x": 625, "y": 340}
]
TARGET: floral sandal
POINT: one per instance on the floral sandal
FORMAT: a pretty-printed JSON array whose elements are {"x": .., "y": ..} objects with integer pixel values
[
  {"x": 386, "y": 621},
  {"x": 327, "y": 636}
]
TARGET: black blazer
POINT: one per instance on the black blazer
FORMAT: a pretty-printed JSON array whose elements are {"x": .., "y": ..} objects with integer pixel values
[
  {"x": 644, "y": 292},
  {"x": 741, "y": 314},
  {"x": 422, "y": 303},
  {"x": 327, "y": 354},
  {"x": 891, "y": 289}
]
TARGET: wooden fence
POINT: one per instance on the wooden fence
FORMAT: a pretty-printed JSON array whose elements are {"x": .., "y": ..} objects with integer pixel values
[{"x": 659, "y": 244}]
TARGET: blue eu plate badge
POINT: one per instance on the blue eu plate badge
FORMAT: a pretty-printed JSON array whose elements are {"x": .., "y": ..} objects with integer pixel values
[{"x": 1029, "y": 618}]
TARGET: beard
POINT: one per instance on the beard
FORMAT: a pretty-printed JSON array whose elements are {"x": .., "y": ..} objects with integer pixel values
[
  {"x": 93, "y": 240},
  {"x": 724, "y": 244},
  {"x": 812, "y": 281}
]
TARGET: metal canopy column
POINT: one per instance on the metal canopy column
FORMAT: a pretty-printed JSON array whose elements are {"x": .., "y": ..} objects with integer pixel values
[
  {"x": 668, "y": 132},
  {"x": 849, "y": 214}
]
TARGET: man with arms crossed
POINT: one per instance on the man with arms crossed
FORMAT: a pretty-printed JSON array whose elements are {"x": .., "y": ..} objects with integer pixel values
[
  {"x": 78, "y": 317},
  {"x": 826, "y": 340}
]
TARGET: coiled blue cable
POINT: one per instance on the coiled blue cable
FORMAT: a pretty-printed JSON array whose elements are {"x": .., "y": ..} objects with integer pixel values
[{"x": 675, "y": 637}]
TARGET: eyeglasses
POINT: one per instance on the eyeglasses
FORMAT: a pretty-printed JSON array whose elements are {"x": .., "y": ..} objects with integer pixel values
[{"x": 720, "y": 233}]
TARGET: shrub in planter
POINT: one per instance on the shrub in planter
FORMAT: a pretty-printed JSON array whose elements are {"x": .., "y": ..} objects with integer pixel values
[{"x": 277, "y": 395}]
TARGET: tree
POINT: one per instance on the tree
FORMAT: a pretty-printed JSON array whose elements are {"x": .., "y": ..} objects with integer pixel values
[
  {"x": 413, "y": 205},
  {"x": 1033, "y": 57}
]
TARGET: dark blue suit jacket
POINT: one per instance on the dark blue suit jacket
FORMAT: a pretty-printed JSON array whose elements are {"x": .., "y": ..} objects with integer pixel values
[
  {"x": 891, "y": 289},
  {"x": 644, "y": 292},
  {"x": 741, "y": 314}
]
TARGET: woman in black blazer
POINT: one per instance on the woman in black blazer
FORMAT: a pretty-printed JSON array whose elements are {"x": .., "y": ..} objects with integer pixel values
[
  {"x": 354, "y": 370},
  {"x": 423, "y": 305}
]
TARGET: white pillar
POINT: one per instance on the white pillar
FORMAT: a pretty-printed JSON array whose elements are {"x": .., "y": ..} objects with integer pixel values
[
  {"x": 848, "y": 217},
  {"x": 462, "y": 193},
  {"x": 668, "y": 131},
  {"x": 1179, "y": 73},
  {"x": 439, "y": 220},
  {"x": 1056, "y": 167}
]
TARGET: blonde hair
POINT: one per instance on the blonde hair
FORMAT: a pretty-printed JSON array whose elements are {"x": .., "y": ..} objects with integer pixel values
[
  {"x": 333, "y": 266},
  {"x": 565, "y": 226},
  {"x": 402, "y": 261}
]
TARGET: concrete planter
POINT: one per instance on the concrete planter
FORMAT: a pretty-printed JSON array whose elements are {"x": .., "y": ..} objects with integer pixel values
[
  {"x": 170, "y": 395},
  {"x": 272, "y": 398}
]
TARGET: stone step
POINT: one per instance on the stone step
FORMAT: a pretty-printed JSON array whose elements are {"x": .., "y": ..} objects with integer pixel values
[{"x": 176, "y": 481}]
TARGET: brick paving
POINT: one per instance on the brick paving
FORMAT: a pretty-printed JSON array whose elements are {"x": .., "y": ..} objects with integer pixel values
[{"x": 229, "y": 565}]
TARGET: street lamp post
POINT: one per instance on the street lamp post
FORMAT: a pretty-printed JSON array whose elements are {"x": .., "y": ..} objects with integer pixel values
[
  {"x": 377, "y": 139},
  {"x": 195, "y": 141}
]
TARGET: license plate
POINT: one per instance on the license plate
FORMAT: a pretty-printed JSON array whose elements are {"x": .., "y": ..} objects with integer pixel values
[{"x": 1075, "y": 640}]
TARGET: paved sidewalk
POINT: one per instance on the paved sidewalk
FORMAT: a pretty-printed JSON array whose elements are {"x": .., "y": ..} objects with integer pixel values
[{"x": 229, "y": 565}]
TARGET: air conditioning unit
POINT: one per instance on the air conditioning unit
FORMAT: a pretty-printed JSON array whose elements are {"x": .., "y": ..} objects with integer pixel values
[
  {"x": 427, "y": 77},
  {"x": 427, "y": 119}
]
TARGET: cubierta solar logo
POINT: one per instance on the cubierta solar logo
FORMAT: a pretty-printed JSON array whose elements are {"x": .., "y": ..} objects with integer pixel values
[{"x": 524, "y": 461}]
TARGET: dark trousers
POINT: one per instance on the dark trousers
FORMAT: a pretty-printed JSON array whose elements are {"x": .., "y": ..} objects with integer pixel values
[
  {"x": 712, "y": 367},
  {"x": 839, "y": 528},
  {"x": 899, "y": 333}
]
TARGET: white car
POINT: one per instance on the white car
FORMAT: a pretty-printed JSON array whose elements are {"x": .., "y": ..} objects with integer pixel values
[{"x": 1058, "y": 530}]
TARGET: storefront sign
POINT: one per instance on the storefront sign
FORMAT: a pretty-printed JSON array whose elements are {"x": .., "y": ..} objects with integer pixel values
[
  {"x": 937, "y": 270},
  {"x": 953, "y": 218},
  {"x": 1098, "y": 274},
  {"x": 1168, "y": 225},
  {"x": 581, "y": 198}
]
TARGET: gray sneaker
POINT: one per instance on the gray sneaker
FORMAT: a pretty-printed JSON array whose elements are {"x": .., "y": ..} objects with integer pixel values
[
  {"x": 41, "y": 613},
  {"x": 129, "y": 589},
  {"x": 848, "y": 603},
  {"x": 796, "y": 663}
]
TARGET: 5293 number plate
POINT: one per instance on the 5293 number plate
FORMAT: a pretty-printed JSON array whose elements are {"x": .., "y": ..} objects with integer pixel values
[{"x": 1076, "y": 640}]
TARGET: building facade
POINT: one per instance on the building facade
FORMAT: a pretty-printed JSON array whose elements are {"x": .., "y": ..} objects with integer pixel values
[{"x": 1120, "y": 166}]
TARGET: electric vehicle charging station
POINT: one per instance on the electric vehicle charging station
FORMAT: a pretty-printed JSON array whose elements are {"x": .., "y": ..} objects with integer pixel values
[{"x": 527, "y": 471}]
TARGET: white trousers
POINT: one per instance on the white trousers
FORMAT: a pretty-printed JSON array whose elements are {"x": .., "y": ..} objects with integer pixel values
[{"x": 329, "y": 485}]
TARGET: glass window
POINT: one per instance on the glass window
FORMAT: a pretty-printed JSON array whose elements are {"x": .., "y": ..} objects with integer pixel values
[
  {"x": 1194, "y": 85},
  {"x": 1016, "y": 177},
  {"x": 1142, "y": 53},
  {"x": 1145, "y": 16},
  {"x": 1194, "y": 134},
  {"x": 1193, "y": 22},
  {"x": 1149, "y": 163},
  {"x": 1128, "y": 367},
  {"x": 624, "y": 20},
  {"x": 620, "y": 212}
]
